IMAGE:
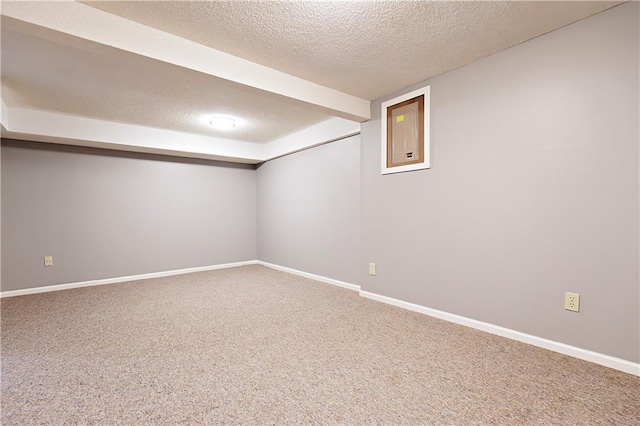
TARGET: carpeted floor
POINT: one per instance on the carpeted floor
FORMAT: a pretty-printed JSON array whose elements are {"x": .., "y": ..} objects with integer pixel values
[{"x": 252, "y": 345}]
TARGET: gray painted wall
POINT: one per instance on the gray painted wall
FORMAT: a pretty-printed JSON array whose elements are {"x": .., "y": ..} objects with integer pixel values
[
  {"x": 104, "y": 214},
  {"x": 309, "y": 210},
  {"x": 533, "y": 191}
]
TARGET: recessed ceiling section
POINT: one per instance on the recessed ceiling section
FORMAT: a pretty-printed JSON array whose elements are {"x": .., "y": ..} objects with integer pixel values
[
  {"x": 97, "y": 81},
  {"x": 365, "y": 48}
]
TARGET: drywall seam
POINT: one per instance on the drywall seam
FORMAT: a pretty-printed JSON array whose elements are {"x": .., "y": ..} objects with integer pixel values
[
  {"x": 59, "y": 287},
  {"x": 316, "y": 145},
  {"x": 318, "y": 134}
]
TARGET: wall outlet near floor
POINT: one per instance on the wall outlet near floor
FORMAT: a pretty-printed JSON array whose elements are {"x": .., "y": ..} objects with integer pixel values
[
  {"x": 572, "y": 302},
  {"x": 372, "y": 269},
  {"x": 48, "y": 261}
]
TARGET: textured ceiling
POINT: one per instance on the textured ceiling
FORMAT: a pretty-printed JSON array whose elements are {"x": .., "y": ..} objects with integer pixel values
[
  {"x": 365, "y": 48},
  {"x": 109, "y": 84}
]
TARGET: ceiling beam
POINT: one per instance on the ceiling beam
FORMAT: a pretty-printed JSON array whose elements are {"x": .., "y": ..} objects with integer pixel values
[
  {"x": 87, "y": 23},
  {"x": 51, "y": 127},
  {"x": 4, "y": 114},
  {"x": 318, "y": 134},
  {"x": 65, "y": 129}
]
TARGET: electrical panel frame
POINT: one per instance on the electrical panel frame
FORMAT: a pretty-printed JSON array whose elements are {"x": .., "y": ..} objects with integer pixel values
[{"x": 405, "y": 132}]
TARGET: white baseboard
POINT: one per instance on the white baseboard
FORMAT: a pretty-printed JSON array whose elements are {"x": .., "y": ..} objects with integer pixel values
[
  {"x": 584, "y": 354},
  {"x": 320, "y": 278},
  {"x": 58, "y": 287},
  {"x": 595, "y": 357}
]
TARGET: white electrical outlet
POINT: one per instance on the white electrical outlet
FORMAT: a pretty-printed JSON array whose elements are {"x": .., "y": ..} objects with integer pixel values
[
  {"x": 372, "y": 269},
  {"x": 48, "y": 261},
  {"x": 572, "y": 302}
]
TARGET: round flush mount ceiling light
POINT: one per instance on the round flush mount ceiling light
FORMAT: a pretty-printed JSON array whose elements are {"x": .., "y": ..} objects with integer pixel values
[{"x": 222, "y": 123}]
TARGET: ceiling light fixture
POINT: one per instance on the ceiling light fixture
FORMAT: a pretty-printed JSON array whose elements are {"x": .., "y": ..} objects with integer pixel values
[{"x": 222, "y": 123}]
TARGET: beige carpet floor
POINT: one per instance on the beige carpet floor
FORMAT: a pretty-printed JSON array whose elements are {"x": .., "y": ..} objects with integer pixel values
[{"x": 252, "y": 345}]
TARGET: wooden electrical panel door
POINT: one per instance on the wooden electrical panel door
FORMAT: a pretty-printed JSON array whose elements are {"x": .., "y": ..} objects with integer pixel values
[{"x": 405, "y": 132}]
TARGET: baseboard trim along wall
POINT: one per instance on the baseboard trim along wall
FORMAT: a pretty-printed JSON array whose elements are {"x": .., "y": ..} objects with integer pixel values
[
  {"x": 320, "y": 278},
  {"x": 586, "y": 355},
  {"x": 58, "y": 287}
]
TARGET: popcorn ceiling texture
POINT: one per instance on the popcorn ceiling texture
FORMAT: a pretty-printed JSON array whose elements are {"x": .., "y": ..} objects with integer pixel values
[
  {"x": 252, "y": 345},
  {"x": 86, "y": 79},
  {"x": 365, "y": 48}
]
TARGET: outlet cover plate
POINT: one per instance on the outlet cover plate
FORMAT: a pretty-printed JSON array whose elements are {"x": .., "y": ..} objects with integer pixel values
[
  {"x": 572, "y": 302},
  {"x": 48, "y": 261}
]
